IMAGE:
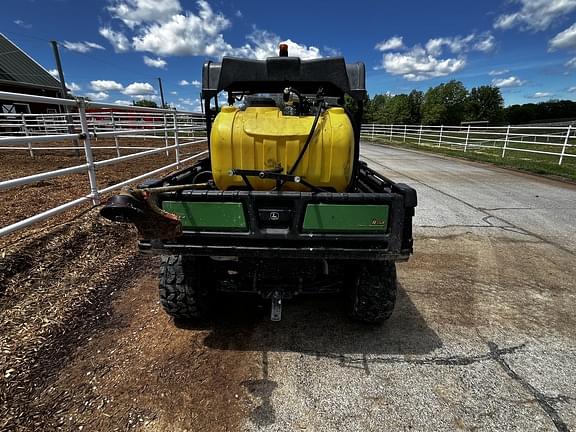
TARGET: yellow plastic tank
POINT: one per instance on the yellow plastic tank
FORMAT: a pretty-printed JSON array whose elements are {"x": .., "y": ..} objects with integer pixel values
[{"x": 262, "y": 138}]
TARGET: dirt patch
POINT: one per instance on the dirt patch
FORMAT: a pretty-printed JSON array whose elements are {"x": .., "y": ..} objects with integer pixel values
[{"x": 84, "y": 342}]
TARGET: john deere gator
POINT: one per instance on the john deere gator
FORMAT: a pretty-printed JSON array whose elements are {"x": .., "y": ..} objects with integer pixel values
[{"x": 283, "y": 205}]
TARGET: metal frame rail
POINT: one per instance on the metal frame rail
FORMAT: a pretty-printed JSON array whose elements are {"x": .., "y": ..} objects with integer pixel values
[{"x": 175, "y": 129}]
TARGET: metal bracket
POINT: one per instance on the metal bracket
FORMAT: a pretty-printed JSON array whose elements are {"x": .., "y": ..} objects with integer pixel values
[{"x": 276, "y": 311}]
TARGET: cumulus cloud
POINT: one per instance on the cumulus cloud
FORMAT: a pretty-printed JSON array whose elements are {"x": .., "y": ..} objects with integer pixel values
[
  {"x": 105, "y": 85},
  {"x": 163, "y": 28},
  {"x": 264, "y": 44},
  {"x": 536, "y": 15},
  {"x": 564, "y": 40},
  {"x": 394, "y": 43},
  {"x": 155, "y": 63},
  {"x": 54, "y": 73},
  {"x": 571, "y": 63},
  {"x": 123, "y": 102},
  {"x": 73, "y": 87},
  {"x": 185, "y": 34},
  {"x": 420, "y": 63},
  {"x": 572, "y": 89},
  {"x": 98, "y": 96},
  {"x": 508, "y": 82},
  {"x": 497, "y": 72},
  {"x": 81, "y": 47},
  {"x": 183, "y": 83},
  {"x": 118, "y": 40},
  {"x": 136, "y": 12},
  {"x": 139, "y": 88}
]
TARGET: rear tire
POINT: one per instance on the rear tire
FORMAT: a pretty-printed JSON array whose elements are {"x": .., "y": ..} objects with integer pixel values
[
  {"x": 183, "y": 293},
  {"x": 373, "y": 293}
]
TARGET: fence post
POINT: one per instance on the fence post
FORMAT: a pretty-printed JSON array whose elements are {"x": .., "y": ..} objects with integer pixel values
[
  {"x": 391, "y": 128},
  {"x": 372, "y": 139},
  {"x": 115, "y": 136},
  {"x": 440, "y": 136},
  {"x": 506, "y": 141},
  {"x": 565, "y": 144},
  {"x": 467, "y": 137},
  {"x": 176, "y": 140},
  {"x": 420, "y": 135},
  {"x": 405, "y": 128},
  {"x": 27, "y": 133},
  {"x": 166, "y": 134},
  {"x": 88, "y": 152}
]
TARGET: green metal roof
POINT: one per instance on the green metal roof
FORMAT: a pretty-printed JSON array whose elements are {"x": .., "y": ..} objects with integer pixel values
[{"x": 17, "y": 66}]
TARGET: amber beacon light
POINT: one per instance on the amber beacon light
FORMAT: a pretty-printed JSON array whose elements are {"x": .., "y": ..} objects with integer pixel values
[{"x": 283, "y": 50}]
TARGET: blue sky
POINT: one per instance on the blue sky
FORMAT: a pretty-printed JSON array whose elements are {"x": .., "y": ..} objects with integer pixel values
[{"x": 113, "y": 50}]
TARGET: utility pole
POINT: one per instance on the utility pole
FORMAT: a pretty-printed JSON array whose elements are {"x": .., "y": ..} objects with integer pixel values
[
  {"x": 63, "y": 90},
  {"x": 161, "y": 92}
]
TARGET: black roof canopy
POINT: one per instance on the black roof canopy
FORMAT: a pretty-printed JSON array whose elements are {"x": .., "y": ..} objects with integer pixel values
[
  {"x": 17, "y": 67},
  {"x": 275, "y": 73}
]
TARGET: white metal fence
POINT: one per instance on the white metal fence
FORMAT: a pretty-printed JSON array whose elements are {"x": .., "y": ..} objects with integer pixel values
[
  {"x": 535, "y": 142},
  {"x": 87, "y": 123}
]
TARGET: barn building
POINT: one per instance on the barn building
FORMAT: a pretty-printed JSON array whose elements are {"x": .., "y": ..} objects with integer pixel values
[{"x": 20, "y": 73}]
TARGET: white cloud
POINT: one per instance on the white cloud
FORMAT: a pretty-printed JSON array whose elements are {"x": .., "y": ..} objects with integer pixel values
[
  {"x": 54, "y": 73},
  {"x": 163, "y": 28},
  {"x": 81, "y": 47},
  {"x": 106, "y": 85},
  {"x": 535, "y": 15},
  {"x": 239, "y": 14},
  {"x": 73, "y": 87},
  {"x": 540, "y": 95},
  {"x": 136, "y": 12},
  {"x": 97, "y": 96},
  {"x": 22, "y": 24},
  {"x": 118, "y": 40},
  {"x": 194, "y": 83},
  {"x": 564, "y": 40},
  {"x": 394, "y": 43},
  {"x": 175, "y": 93},
  {"x": 185, "y": 34},
  {"x": 139, "y": 88},
  {"x": 498, "y": 72},
  {"x": 146, "y": 97},
  {"x": 420, "y": 63},
  {"x": 123, "y": 102},
  {"x": 265, "y": 44},
  {"x": 508, "y": 82},
  {"x": 572, "y": 89},
  {"x": 155, "y": 63},
  {"x": 571, "y": 63}
]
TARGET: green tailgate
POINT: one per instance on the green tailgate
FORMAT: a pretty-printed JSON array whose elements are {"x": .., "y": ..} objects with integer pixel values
[
  {"x": 346, "y": 217},
  {"x": 227, "y": 216}
]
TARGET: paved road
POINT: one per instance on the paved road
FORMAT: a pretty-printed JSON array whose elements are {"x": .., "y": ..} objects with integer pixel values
[{"x": 484, "y": 334}]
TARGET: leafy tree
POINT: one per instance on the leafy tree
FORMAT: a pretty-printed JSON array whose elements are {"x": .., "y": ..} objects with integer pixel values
[
  {"x": 415, "y": 99},
  {"x": 445, "y": 104},
  {"x": 485, "y": 103},
  {"x": 145, "y": 103},
  {"x": 397, "y": 110}
]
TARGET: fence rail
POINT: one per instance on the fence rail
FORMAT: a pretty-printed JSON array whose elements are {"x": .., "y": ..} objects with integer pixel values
[
  {"x": 534, "y": 141},
  {"x": 88, "y": 123}
]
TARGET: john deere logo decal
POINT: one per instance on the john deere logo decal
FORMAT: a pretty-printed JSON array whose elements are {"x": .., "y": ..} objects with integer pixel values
[{"x": 274, "y": 216}]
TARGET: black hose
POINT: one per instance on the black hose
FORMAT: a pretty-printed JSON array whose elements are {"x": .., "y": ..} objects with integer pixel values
[{"x": 308, "y": 140}]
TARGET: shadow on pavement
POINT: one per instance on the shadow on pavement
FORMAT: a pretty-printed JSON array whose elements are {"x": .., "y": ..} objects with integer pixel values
[{"x": 319, "y": 325}]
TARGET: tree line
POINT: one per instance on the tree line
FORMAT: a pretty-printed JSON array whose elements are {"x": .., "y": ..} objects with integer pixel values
[{"x": 452, "y": 103}]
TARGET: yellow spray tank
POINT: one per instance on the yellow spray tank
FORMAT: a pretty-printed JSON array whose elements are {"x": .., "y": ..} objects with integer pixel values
[{"x": 264, "y": 139}]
